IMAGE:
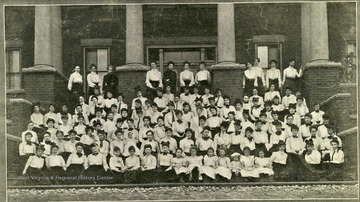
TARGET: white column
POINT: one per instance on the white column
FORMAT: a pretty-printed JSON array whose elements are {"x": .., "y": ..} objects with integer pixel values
[
  {"x": 319, "y": 31},
  {"x": 134, "y": 35},
  {"x": 56, "y": 35},
  {"x": 43, "y": 42},
  {"x": 226, "y": 33},
  {"x": 314, "y": 32}
]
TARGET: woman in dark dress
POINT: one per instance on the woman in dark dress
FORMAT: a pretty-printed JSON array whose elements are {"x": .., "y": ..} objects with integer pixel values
[
  {"x": 110, "y": 82},
  {"x": 170, "y": 77}
]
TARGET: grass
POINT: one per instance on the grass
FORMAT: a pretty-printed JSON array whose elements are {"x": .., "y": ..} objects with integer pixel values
[{"x": 188, "y": 193}]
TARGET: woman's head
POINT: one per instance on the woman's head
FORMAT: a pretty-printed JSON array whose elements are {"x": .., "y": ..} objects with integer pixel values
[
  {"x": 79, "y": 147},
  {"x": 179, "y": 152},
  {"x": 93, "y": 68},
  {"x": 273, "y": 63},
  {"x": 210, "y": 151},
  {"x": 186, "y": 65}
]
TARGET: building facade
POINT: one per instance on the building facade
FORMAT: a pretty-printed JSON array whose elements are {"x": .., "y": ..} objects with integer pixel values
[{"x": 45, "y": 43}]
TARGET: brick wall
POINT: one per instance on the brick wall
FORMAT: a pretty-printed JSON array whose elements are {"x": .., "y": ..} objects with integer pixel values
[
  {"x": 46, "y": 85},
  {"x": 129, "y": 78},
  {"x": 338, "y": 108},
  {"x": 350, "y": 88},
  {"x": 321, "y": 81},
  {"x": 18, "y": 112},
  {"x": 228, "y": 78}
]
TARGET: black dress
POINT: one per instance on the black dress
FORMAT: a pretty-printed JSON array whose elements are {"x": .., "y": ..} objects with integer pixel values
[
  {"x": 249, "y": 85},
  {"x": 110, "y": 83},
  {"x": 170, "y": 79}
]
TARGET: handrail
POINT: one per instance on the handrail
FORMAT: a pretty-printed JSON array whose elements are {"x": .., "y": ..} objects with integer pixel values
[
  {"x": 13, "y": 138},
  {"x": 347, "y": 132},
  {"x": 337, "y": 95}
]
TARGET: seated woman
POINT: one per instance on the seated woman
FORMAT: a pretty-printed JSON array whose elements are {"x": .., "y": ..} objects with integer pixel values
[
  {"x": 236, "y": 167},
  {"x": 312, "y": 166},
  {"x": 148, "y": 165},
  {"x": 248, "y": 171},
  {"x": 117, "y": 166},
  {"x": 333, "y": 161},
  {"x": 194, "y": 165},
  {"x": 132, "y": 166},
  {"x": 165, "y": 171},
  {"x": 34, "y": 168},
  {"x": 95, "y": 165},
  {"x": 278, "y": 161},
  {"x": 179, "y": 164},
  {"x": 211, "y": 163},
  {"x": 55, "y": 164},
  {"x": 269, "y": 96},
  {"x": 263, "y": 165},
  {"x": 223, "y": 171},
  {"x": 75, "y": 164}
]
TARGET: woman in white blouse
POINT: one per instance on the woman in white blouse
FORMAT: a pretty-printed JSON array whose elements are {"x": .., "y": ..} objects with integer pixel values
[
  {"x": 260, "y": 76},
  {"x": 202, "y": 78},
  {"x": 93, "y": 79},
  {"x": 76, "y": 81},
  {"x": 186, "y": 77},
  {"x": 273, "y": 76},
  {"x": 249, "y": 80},
  {"x": 290, "y": 76},
  {"x": 153, "y": 81},
  {"x": 272, "y": 93}
]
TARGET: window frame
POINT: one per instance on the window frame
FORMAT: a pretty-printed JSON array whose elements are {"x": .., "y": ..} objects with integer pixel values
[{"x": 13, "y": 45}]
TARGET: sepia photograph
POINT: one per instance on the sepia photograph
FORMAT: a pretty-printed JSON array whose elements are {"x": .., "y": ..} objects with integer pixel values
[{"x": 189, "y": 101}]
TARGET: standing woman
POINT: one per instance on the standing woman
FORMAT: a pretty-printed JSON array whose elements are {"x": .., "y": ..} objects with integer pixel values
[
  {"x": 76, "y": 82},
  {"x": 170, "y": 77},
  {"x": 260, "y": 76},
  {"x": 273, "y": 76},
  {"x": 110, "y": 82},
  {"x": 289, "y": 76},
  {"x": 186, "y": 77},
  {"x": 93, "y": 79},
  {"x": 153, "y": 80},
  {"x": 202, "y": 78},
  {"x": 250, "y": 79}
]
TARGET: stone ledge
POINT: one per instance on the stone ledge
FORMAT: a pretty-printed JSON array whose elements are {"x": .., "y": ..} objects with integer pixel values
[
  {"x": 132, "y": 67},
  {"x": 15, "y": 91},
  {"x": 336, "y": 96},
  {"x": 349, "y": 85},
  {"x": 348, "y": 132},
  {"x": 13, "y": 138},
  {"x": 43, "y": 69},
  {"x": 321, "y": 63},
  {"x": 19, "y": 100},
  {"x": 228, "y": 66}
]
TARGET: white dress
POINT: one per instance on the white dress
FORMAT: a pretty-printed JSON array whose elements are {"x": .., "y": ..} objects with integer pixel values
[
  {"x": 195, "y": 162},
  {"x": 178, "y": 165},
  {"x": 210, "y": 161},
  {"x": 236, "y": 166},
  {"x": 249, "y": 170},
  {"x": 224, "y": 167},
  {"x": 262, "y": 162}
]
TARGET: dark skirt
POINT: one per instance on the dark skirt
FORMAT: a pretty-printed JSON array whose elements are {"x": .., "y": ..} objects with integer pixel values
[
  {"x": 73, "y": 172},
  {"x": 91, "y": 89},
  {"x": 131, "y": 177},
  {"x": 147, "y": 176},
  {"x": 234, "y": 148},
  {"x": 152, "y": 92},
  {"x": 65, "y": 155},
  {"x": 280, "y": 171},
  {"x": 166, "y": 176},
  {"x": 260, "y": 87},
  {"x": 214, "y": 131},
  {"x": 187, "y": 84},
  {"x": 261, "y": 147},
  {"x": 77, "y": 89},
  {"x": 118, "y": 177},
  {"x": 87, "y": 149},
  {"x": 291, "y": 83},
  {"x": 249, "y": 86},
  {"x": 92, "y": 173},
  {"x": 202, "y": 85},
  {"x": 202, "y": 153},
  {"x": 178, "y": 139},
  {"x": 37, "y": 176},
  {"x": 274, "y": 82},
  {"x": 55, "y": 173}
]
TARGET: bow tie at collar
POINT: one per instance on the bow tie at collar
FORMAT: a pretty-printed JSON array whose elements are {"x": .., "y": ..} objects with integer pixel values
[
  {"x": 79, "y": 154},
  {"x": 258, "y": 130},
  {"x": 278, "y": 132},
  {"x": 95, "y": 154},
  {"x": 28, "y": 142},
  {"x": 180, "y": 121}
]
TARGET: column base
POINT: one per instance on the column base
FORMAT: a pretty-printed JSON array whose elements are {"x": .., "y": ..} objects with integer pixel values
[
  {"x": 228, "y": 77},
  {"x": 45, "y": 84},
  {"x": 130, "y": 76},
  {"x": 320, "y": 81}
]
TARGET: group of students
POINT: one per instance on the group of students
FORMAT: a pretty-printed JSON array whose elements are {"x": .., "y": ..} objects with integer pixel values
[{"x": 189, "y": 136}]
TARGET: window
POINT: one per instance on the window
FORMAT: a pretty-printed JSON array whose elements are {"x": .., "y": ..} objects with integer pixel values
[
  {"x": 13, "y": 68},
  {"x": 267, "y": 48},
  {"x": 351, "y": 48},
  {"x": 98, "y": 56}
]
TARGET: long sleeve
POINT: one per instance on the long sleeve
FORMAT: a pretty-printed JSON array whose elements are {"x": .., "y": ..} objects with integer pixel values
[
  {"x": 105, "y": 165},
  {"x": 182, "y": 83},
  {"x": 288, "y": 147},
  {"x": 147, "y": 81},
  {"x": 21, "y": 149},
  {"x": 28, "y": 162},
  {"x": 160, "y": 81},
  {"x": 90, "y": 83},
  {"x": 267, "y": 79},
  {"x": 279, "y": 78},
  {"x": 71, "y": 79},
  {"x": 63, "y": 163},
  {"x": 69, "y": 160},
  {"x": 192, "y": 82}
]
